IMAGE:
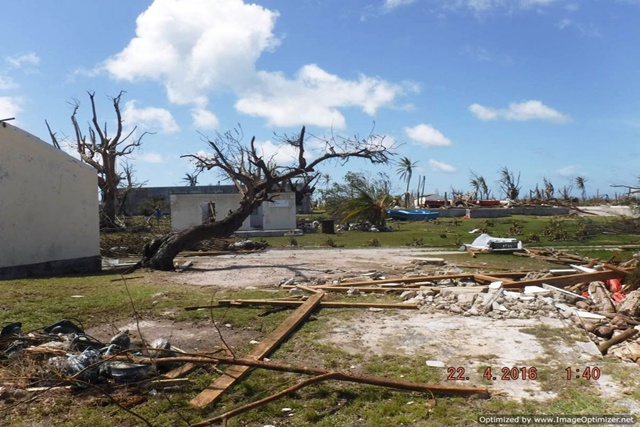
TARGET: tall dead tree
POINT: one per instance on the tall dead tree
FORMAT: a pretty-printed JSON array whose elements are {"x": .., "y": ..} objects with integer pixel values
[
  {"x": 101, "y": 150},
  {"x": 257, "y": 180}
]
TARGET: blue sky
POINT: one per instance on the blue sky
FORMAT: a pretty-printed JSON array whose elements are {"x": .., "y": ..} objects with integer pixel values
[{"x": 548, "y": 88}]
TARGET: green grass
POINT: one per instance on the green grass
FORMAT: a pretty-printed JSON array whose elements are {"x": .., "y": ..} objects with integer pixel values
[
  {"x": 452, "y": 232},
  {"x": 327, "y": 404},
  {"x": 39, "y": 302}
]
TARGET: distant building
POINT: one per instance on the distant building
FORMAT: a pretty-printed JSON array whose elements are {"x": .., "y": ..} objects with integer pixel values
[
  {"x": 192, "y": 209},
  {"x": 140, "y": 200},
  {"x": 48, "y": 209}
]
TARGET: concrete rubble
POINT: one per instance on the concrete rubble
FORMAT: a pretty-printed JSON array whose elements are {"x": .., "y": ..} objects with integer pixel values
[{"x": 605, "y": 309}]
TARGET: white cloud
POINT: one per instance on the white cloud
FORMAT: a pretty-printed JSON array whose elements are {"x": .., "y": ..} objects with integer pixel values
[
  {"x": 149, "y": 119},
  {"x": 314, "y": 97},
  {"x": 150, "y": 158},
  {"x": 437, "y": 166},
  {"x": 392, "y": 4},
  {"x": 7, "y": 83},
  {"x": 280, "y": 153},
  {"x": 10, "y": 106},
  {"x": 204, "y": 119},
  {"x": 585, "y": 29},
  {"x": 197, "y": 47},
  {"x": 486, "y": 5},
  {"x": 526, "y": 110},
  {"x": 20, "y": 61},
  {"x": 427, "y": 135},
  {"x": 483, "y": 113},
  {"x": 567, "y": 171}
]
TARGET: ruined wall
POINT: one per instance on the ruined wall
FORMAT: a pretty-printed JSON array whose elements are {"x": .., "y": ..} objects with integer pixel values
[
  {"x": 48, "y": 209},
  {"x": 186, "y": 210},
  {"x": 280, "y": 214}
]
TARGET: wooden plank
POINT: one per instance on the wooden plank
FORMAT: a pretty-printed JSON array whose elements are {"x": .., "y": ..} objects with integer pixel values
[
  {"x": 308, "y": 288},
  {"x": 485, "y": 278},
  {"x": 180, "y": 371},
  {"x": 376, "y": 289},
  {"x": 235, "y": 373},
  {"x": 407, "y": 279},
  {"x": 563, "y": 281},
  {"x": 324, "y": 304}
]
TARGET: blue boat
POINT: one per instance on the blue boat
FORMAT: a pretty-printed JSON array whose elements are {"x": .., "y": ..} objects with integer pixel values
[{"x": 412, "y": 214}]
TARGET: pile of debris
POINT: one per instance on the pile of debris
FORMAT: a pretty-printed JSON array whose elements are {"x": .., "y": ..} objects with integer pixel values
[
  {"x": 74, "y": 358},
  {"x": 593, "y": 298}
]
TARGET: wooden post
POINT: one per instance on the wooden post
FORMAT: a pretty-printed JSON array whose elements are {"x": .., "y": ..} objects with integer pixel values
[{"x": 235, "y": 373}]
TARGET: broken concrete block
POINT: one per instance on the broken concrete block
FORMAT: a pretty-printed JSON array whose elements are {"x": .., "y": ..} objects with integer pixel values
[
  {"x": 455, "y": 309},
  {"x": 532, "y": 290},
  {"x": 631, "y": 305},
  {"x": 600, "y": 297}
]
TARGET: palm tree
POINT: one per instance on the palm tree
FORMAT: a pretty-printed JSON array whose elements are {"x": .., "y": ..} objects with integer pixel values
[
  {"x": 580, "y": 181},
  {"x": 191, "y": 180},
  {"x": 548, "y": 188},
  {"x": 509, "y": 183},
  {"x": 405, "y": 172},
  {"x": 369, "y": 203},
  {"x": 479, "y": 186}
]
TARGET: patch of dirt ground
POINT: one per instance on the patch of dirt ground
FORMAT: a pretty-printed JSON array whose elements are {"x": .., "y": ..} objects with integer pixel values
[{"x": 472, "y": 343}]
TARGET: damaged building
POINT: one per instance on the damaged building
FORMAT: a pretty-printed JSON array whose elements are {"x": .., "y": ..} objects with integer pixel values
[{"x": 48, "y": 209}]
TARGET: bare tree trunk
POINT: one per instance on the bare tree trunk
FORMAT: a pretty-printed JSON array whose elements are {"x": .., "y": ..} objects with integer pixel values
[{"x": 160, "y": 253}]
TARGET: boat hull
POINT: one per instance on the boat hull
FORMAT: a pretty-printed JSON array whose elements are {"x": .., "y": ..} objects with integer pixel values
[{"x": 412, "y": 214}]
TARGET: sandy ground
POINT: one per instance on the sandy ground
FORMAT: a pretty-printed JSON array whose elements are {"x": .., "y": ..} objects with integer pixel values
[
  {"x": 271, "y": 267},
  {"x": 470, "y": 343}
]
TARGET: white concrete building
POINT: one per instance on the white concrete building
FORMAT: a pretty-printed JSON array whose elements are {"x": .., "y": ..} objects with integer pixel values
[
  {"x": 48, "y": 209},
  {"x": 188, "y": 210}
]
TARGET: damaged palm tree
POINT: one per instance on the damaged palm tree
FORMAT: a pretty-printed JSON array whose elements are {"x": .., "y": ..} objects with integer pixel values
[{"x": 257, "y": 180}]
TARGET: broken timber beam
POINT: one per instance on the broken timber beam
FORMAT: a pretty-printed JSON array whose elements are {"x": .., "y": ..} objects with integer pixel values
[
  {"x": 604, "y": 347},
  {"x": 563, "y": 281},
  {"x": 235, "y": 373},
  {"x": 324, "y": 304},
  {"x": 368, "y": 288},
  {"x": 485, "y": 278},
  {"x": 436, "y": 389},
  {"x": 404, "y": 280}
]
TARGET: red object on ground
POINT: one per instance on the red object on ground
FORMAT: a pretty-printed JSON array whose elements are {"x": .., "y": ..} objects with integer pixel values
[
  {"x": 618, "y": 296},
  {"x": 586, "y": 294},
  {"x": 614, "y": 285}
]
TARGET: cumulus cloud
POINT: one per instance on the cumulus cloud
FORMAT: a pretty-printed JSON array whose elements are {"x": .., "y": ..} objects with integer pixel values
[
  {"x": 392, "y": 4},
  {"x": 522, "y": 111},
  {"x": 314, "y": 97},
  {"x": 149, "y": 119},
  {"x": 150, "y": 158},
  {"x": 437, "y": 166},
  {"x": 427, "y": 135},
  {"x": 279, "y": 153},
  {"x": 23, "y": 60},
  {"x": 204, "y": 119},
  {"x": 197, "y": 47},
  {"x": 10, "y": 106}
]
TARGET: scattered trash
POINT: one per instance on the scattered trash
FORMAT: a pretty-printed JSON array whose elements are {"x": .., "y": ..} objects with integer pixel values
[{"x": 486, "y": 243}]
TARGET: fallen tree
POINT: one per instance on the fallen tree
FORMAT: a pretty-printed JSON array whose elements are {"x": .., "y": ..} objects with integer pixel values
[{"x": 257, "y": 180}]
